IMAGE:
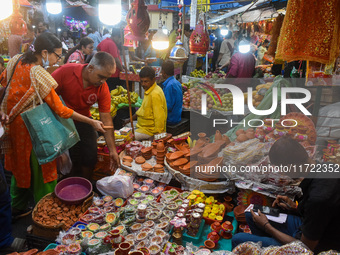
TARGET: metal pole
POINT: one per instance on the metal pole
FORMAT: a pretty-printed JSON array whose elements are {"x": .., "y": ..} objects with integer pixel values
[
  {"x": 183, "y": 20},
  {"x": 128, "y": 89}
]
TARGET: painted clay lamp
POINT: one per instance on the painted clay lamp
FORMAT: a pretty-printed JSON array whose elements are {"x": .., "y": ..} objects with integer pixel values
[
  {"x": 178, "y": 224},
  {"x": 138, "y": 20},
  {"x": 227, "y": 227}
]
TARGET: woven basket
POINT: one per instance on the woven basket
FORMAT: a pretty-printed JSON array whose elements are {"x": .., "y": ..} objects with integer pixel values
[{"x": 51, "y": 232}]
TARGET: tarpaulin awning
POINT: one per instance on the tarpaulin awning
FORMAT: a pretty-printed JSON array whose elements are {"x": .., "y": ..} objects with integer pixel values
[{"x": 237, "y": 11}]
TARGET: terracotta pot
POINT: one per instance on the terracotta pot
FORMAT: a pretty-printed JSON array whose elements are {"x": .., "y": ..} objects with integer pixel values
[
  {"x": 125, "y": 248},
  {"x": 199, "y": 40},
  {"x": 209, "y": 244},
  {"x": 228, "y": 199},
  {"x": 138, "y": 20},
  {"x": 114, "y": 233},
  {"x": 216, "y": 226},
  {"x": 213, "y": 236},
  {"x": 160, "y": 146},
  {"x": 227, "y": 228}
]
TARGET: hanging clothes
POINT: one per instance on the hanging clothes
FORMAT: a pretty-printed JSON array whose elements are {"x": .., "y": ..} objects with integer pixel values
[{"x": 310, "y": 31}]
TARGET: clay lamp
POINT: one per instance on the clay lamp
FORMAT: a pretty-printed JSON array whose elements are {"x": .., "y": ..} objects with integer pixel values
[
  {"x": 144, "y": 250},
  {"x": 160, "y": 146},
  {"x": 146, "y": 150},
  {"x": 149, "y": 182},
  {"x": 61, "y": 249},
  {"x": 136, "y": 186},
  {"x": 155, "y": 191},
  {"x": 74, "y": 248},
  {"x": 209, "y": 244},
  {"x": 136, "y": 252},
  {"x": 140, "y": 160},
  {"x": 128, "y": 159},
  {"x": 145, "y": 188},
  {"x": 124, "y": 248}
]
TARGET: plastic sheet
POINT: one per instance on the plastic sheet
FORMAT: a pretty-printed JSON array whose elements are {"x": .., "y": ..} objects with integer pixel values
[
  {"x": 244, "y": 153},
  {"x": 249, "y": 248},
  {"x": 328, "y": 125},
  {"x": 296, "y": 247}
]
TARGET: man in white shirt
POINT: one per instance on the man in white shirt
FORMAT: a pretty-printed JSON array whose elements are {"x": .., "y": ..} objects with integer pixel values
[{"x": 226, "y": 51}]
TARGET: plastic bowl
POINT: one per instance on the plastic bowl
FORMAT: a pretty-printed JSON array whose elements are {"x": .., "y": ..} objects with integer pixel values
[{"x": 73, "y": 190}]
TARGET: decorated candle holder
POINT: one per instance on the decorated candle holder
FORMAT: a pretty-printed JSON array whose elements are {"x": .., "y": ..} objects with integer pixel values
[
  {"x": 213, "y": 236},
  {"x": 227, "y": 228},
  {"x": 178, "y": 224},
  {"x": 268, "y": 126},
  {"x": 199, "y": 39},
  {"x": 279, "y": 130}
]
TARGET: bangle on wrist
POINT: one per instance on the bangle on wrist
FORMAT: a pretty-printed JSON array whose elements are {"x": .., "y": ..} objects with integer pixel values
[{"x": 264, "y": 225}]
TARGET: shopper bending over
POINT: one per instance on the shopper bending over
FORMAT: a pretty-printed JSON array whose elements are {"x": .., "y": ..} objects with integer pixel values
[
  {"x": 77, "y": 53},
  {"x": 28, "y": 175},
  {"x": 317, "y": 221},
  {"x": 151, "y": 116},
  {"x": 80, "y": 87},
  {"x": 173, "y": 93}
]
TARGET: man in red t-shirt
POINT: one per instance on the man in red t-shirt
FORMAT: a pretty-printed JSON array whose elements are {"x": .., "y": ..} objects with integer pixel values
[
  {"x": 109, "y": 45},
  {"x": 81, "y": 86}
]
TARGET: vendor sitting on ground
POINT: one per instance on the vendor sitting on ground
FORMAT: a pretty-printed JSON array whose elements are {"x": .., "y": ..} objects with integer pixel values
[
  {"x": 151, "y": 116},
  {"x": 173, "y": 93},
  {"x": 317, "y": 224}
]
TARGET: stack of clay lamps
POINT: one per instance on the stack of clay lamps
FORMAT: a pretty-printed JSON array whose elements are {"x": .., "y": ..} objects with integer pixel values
[
  {"x": 147, "y": 152},
  {"x": 160, "y": 153}
]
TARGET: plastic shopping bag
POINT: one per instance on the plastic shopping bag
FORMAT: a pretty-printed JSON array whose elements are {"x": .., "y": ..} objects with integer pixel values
[
  {"x": 116, "y": 186},
  {"x": 64, "y": 163}
]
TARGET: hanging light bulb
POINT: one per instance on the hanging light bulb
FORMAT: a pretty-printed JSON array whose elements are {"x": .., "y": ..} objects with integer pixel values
[
  {"x": 160, "y": 40},
  {"x": 224, "y": 30},
  {"x": 110, "y": 11},
  {"x": 244, "y": 46},
  {"x": 7, "y": 9},
  {"x": 53, "y": 6}
]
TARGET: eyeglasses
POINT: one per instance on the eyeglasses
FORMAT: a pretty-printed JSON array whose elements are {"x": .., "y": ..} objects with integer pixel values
[{"x": 59, "y": 57}]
